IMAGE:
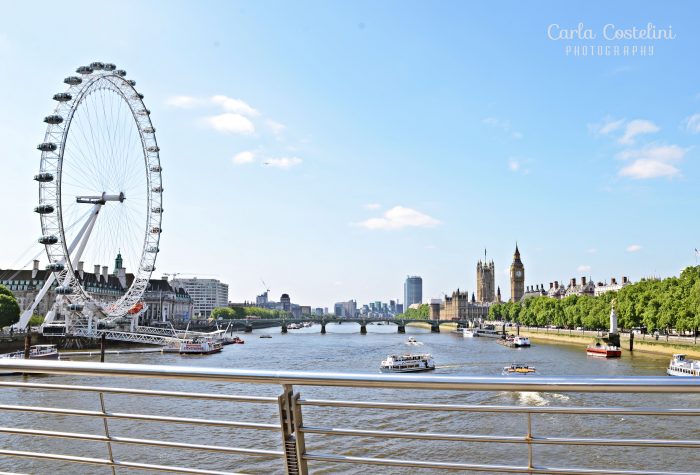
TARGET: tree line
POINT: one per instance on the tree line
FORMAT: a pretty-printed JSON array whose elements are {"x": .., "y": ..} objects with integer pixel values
[
  {"x": 237, "y": 313},
  {"x": 653, "y": 304}
]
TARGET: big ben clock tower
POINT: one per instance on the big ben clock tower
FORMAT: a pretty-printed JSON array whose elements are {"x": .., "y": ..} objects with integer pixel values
[{"x": 517, "y": 277}]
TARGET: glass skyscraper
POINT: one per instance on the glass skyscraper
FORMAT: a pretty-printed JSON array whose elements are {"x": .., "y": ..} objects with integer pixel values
[{"x": 412, "y": 291}]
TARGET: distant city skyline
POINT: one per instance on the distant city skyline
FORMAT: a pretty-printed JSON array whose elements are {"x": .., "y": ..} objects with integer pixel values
[{"x": 332, "y": 149}]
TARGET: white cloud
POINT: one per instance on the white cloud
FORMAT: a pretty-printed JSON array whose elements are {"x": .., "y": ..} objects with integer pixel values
[
  {"x": 372, "y": 206},
  {"x": 399, "y": 217},
  {"x": 652, "y": 161},
  {"x": 583, "y": 268},
  {"x": 592, "y": 250},
  {"x": 236, "y": 106},
  {"x": 637, "y": 127},
  {"x": 514, "y": 164},
  {"x": 516, "y": 135},
  {"x": 230, "y": 123},
  {"x": 284, "y": 162},
  {"x": 692, "y": 124},
  {"x": 607, "y": 126},
  {"x": 243, "y": 158},
  {"x": 277, "y": 128},
  {"x": 183, "y": 102},
  {"x": 634, "y": 248}
]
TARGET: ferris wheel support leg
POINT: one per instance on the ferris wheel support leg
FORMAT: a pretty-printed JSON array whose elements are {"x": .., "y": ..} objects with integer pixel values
[{"x": 27, "y": 314}]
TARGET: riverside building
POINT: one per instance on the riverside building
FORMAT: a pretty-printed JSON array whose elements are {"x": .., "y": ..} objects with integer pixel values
[{"x": 207, "y": 294}]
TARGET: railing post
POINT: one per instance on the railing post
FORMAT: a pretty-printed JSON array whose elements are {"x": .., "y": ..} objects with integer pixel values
[
  {"x": 529, "y": 440},
  {"x": 104, "y": 421},
  {"x": 292, "y": 438}
]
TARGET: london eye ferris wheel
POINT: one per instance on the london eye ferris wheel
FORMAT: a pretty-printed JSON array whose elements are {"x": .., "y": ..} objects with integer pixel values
[{"x": 100, "y": 186}]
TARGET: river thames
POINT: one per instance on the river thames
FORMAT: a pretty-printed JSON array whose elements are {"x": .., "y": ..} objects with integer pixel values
[{"x": 343, "y": 349}]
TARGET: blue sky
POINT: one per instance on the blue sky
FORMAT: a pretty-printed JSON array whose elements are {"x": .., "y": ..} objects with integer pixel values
[{"x": 332, "y": 148}]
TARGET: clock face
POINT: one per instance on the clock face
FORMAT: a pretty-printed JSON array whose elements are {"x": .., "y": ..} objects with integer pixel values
[{"x": 518, "y": 273}]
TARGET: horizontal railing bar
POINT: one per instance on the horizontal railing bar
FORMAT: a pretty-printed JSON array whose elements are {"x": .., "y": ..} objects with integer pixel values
[
  {"x": 477, "y": 467},
  {"x": 142, "y": 392},
  {"x": 635, "y": 384},
  {"x": 139, "y": 417},
  {"x": 147, "y": 442},
  {"x": 104, "y": 462},
  {"x": 501, "y": 438},
  {"x": 636, "y": 411}
]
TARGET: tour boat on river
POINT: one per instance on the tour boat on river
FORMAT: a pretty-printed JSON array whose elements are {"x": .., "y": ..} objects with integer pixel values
[
  {"x": 515, "y": 341},
  {"x": 36, "y": 352},
  {"x": 487, "y": 332},
  {"x": 409, "y": 363},
  {"x": 200, "y": 346},
  {"x": 518, "y": 370},
  {"x": 604, "y": 351},
  {"x": 680, "y": 366}
]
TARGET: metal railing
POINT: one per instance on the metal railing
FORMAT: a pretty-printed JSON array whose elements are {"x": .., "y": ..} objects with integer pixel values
[{"x": 292, "y": 453}]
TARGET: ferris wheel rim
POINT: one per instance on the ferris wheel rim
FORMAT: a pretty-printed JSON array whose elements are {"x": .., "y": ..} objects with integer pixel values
[{"x": 52, "y": 160}]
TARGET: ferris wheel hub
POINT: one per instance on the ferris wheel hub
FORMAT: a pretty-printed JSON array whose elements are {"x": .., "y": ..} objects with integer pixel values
[{"x": 100, "y": 199}]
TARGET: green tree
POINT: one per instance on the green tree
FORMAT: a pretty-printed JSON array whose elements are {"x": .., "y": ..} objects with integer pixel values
[
  {"x": 225, "y": 313},
  {"x": 36, "y": 320},
  {"x": 5, "y": 291},
  {"x": 420, "y": 313},
  {"x": 9, "y": 310}
]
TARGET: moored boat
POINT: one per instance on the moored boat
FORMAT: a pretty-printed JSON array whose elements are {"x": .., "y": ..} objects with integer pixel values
[
  {"x": 604, "y": 351},
  {"x": 515, "y": 341},
  {"x": 518, "y": 369},
  {"x": 200, "y": 346},
  {"x": 681, "y": 366},
  {"x": 36, "y": 352},
  {"x": 468, "y": 333},
  {"x": 409, "y": 363}
]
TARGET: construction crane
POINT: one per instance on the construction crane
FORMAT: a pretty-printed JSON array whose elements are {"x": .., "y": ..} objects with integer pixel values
[{"x": 264, "y": 285}]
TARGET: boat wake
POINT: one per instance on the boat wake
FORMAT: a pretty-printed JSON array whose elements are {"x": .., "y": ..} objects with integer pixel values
[{"x": 534, "y": 398}]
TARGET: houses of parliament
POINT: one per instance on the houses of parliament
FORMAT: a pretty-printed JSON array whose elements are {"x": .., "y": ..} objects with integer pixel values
[
  {"x": 460, "y": 306},
  {"x": 486, "y": 290}
]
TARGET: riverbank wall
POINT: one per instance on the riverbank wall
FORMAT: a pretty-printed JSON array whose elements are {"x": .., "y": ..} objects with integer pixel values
[{"x": 645, "y": 344}]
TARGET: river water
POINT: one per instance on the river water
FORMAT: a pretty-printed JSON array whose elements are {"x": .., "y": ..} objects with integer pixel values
[{"x": 343, "y": 349}]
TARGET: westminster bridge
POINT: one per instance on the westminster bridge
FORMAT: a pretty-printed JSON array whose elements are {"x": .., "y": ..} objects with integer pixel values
[{"x": 249, "y": 324}]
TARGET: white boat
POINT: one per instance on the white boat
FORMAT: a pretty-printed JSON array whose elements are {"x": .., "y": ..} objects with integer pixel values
[
  {"x": 412, "y": 341},
  {"x": 515, "y": 341},
  {"x": 468, "y": 333},
  {"x": 487, "y": 333},
  {"x": 681, "y": 366},
  {"x": 200, "y": 346},
  {"x": 409, "y": 363},
  {"x": 36, "y": 352}
]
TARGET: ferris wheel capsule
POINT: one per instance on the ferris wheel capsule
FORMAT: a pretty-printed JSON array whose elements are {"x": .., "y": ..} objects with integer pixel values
[
  {"x": 55, "y": 267},
  {"x": 62, "y": 97},
  {"x": 96, "y": 66},
  {"x": 53, "y": 119},
  {"x": 120, "y": 72},
  {"x": 84, "y": 70},
  {"x": 72, "y": 80},
  {"x": 47, "y": 147},
  {"x": 43, "y": 177},
  {"x": 44, "y": 209},
  {"x": 109, "y": 67}
]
